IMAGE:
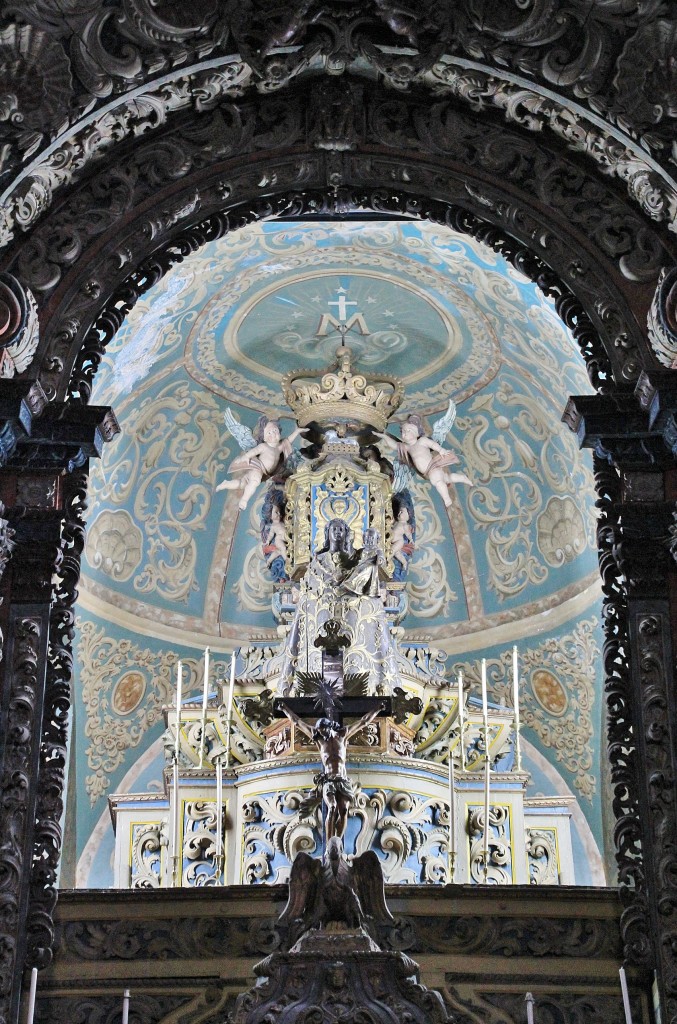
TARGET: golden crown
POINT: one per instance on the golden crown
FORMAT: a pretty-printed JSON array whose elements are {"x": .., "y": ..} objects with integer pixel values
[{"x": 340, "y": 394}]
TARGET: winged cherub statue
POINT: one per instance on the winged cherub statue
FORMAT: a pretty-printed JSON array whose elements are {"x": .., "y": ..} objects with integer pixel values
[
  {"x": 426, "y": 454},
  {"x": 263, "y": 450}
]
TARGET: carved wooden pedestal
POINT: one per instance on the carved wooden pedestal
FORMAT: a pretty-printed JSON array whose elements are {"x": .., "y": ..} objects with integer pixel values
[{"x": 331, "y": 976}]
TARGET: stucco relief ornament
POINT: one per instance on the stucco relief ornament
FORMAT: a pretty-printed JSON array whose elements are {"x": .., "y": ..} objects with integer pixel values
[
  {"x": 561, "y": 531},
  {"x": 425, "y": 454},
  {"x": 264, "y": 450}
]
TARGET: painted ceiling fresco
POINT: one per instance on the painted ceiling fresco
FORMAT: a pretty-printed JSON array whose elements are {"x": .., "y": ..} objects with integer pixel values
[{"x": 171, "y": 565}]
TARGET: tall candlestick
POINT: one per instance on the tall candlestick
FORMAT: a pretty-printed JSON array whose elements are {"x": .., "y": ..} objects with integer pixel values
[
  {"x": 529, "y": 1000},
  {"x": 229, "y": 716},
  {"x": 179, "y": 682},
  {"x": 461, "y": 719},
  {"x": 486, "y": 815},
  {"x": 31, "y": 995},
  {"x": 452, "y": 815},
  {"x": 205, "y": 700},
  {"x": 219, "y": 817},
  {"x": 125, "y": 1006},
  {"x": 176, "y": 826},
  {"x": 516, "y": 706},
  {"x": 487, "y": 767},
  {"x": 626, "y": 995}
]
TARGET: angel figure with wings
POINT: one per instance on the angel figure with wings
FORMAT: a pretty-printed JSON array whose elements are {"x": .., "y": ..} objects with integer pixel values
[
  {"x": 263, "y": 450},
  {"x": 426, "y": 454}
]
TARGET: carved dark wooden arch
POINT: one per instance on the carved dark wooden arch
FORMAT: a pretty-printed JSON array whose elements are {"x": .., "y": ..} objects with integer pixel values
[
  {"x": 85, "y": 304},
  {"x": 243, "y": 155}
]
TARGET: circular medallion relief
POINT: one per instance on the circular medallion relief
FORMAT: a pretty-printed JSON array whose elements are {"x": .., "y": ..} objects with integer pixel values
[
  {"x": 390, "y": 323},
  {"x": 549, "y": 692},
  {"x": 396, "y": 314},
  {"x": 128, "y": 693},
  {"x": 561, "y": 531}
]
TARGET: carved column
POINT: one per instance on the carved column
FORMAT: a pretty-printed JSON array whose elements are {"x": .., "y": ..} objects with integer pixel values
[
  {"x": 44, "y": 494},
  {"x": 637, "y": 481},
  {"x": 22, "y": 690}
]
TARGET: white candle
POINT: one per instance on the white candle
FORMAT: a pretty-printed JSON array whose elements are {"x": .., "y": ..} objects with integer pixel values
[
  {"x": 205, "y": 687},
  {"x": 125, "y": 1006},
  {"x": 205, "y": 700},
  {"x": 485, "y": 705},
  {"x": 452, "y": 816},
  {"x": 229, "y": 716},
  {"x": 529, "y": 1000},
  {"x": 179, "y": 681},
  {"x": 626, "y": 995},
  {"x": 461, "y": 719},
  {"x": 516, "y": 706},
  {"x": 31, "y": 995}
]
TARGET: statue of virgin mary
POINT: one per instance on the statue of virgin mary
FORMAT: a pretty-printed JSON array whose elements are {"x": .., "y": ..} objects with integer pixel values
[{"x": 342, "y": 584}]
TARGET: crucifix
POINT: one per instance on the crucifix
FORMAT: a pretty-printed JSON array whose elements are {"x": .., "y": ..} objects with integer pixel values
[
  {"x": 342, "y": 303},
  {"x": 329, "y": 691},
  {"x": 336, "y": 694}
]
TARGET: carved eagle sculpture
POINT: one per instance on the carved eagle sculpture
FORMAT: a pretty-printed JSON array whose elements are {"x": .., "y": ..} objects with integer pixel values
[{"x": 323, "y": 891}]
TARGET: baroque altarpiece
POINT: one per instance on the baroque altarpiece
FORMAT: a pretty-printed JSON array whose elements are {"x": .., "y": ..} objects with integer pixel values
[
  {"x": 134, "y": 136},
  {"x": 338, "y": 529}
]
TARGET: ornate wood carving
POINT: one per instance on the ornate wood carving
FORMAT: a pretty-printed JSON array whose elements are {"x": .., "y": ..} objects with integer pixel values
[
  {"x": 20, "y": 403},
  {"x": 324, "y": 983},
  {"x": 154, "y": 939},
  {"x": 656, "y": 732},
  {"x": 150, "y": 1008},
  {"x": 53, "y": 748},
  {"x": 47, "y": 537},
  {"x": 621, "y": 747},
  {"x": 20, "y": 718},
  {"x": 188, "y": 937},
  {"x": 473, "y": 1003},
  {"x": 252, "y": 138},
  {"x": 602, "y": 82},
  {"x": 18, "y": 326},
  {"x": 195, "y": 176}
]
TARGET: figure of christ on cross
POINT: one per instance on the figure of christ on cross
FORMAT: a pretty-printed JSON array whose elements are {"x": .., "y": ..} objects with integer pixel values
[{"x": 333, "y": 786}]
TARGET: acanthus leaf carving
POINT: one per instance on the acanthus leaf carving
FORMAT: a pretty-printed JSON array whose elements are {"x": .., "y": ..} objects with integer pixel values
[
  {"x": 17, "y": 800},
  {"x": 621, "y": 745}
]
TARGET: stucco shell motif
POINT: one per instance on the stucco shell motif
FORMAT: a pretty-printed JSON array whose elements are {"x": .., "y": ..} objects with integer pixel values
[
  {"x": 560, "y": 531},
  {"x": 114, "y": 544}
]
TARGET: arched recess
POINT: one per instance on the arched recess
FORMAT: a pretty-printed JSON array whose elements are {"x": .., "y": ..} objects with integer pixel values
[{"x": 368, "y": 150}]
